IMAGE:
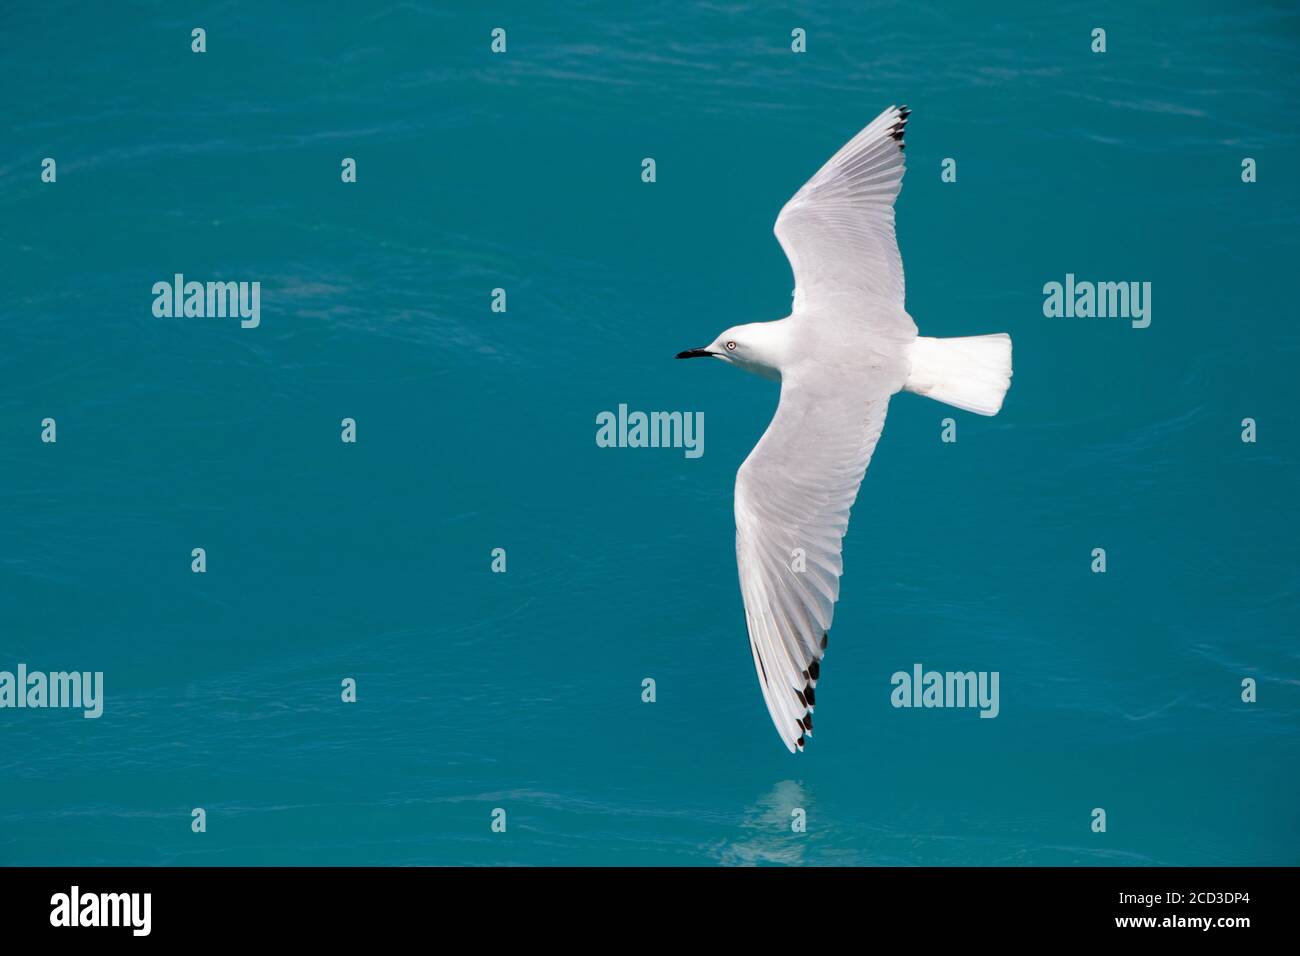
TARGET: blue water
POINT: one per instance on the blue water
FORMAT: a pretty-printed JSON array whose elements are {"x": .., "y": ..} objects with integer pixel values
[{"x": 475, "y": 431}]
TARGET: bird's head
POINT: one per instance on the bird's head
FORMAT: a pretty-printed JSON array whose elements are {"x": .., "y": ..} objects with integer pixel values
[{"x": 755, "y": 347}]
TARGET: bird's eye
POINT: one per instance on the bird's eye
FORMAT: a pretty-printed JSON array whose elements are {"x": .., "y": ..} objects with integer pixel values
[{"x": 731, "y": 346}]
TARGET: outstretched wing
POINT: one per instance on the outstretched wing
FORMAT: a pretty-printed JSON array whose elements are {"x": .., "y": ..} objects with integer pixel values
[
  {"x": 838, "y": 230},
  {"x": 793, "y": 496}
]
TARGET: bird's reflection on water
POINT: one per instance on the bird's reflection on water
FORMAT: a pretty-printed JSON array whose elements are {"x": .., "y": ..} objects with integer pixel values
[{"x": 768, "y": 834}]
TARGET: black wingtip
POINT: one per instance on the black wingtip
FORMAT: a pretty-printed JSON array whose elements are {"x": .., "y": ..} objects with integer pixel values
[{"x": 896, "y": 131}]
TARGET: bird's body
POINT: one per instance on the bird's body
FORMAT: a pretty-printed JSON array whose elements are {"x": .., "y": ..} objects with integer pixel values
[
  {"x": 846, "y": 348},
  {"x": 819, "y": 344}
]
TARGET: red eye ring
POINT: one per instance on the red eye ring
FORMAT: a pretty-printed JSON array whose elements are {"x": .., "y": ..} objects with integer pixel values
[{"x": 731, "y": 346}]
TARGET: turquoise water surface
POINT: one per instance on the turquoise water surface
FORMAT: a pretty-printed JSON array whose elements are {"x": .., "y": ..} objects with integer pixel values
[{"x": 475, "y": 430}]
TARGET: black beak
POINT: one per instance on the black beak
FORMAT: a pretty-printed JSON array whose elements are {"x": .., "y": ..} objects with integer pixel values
[{"x": 694, "y": 353}]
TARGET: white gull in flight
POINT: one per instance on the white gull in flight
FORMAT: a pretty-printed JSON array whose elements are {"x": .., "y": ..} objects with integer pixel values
[{"x": 846, "y": 348}]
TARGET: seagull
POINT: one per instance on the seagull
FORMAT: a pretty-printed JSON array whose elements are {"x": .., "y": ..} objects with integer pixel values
[{"x": 846, "y": 348}]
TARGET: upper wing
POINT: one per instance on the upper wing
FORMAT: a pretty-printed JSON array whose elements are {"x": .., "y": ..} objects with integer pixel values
[
  {"x": 838, "y": 230},
  {"x": 793, "y": 496}
]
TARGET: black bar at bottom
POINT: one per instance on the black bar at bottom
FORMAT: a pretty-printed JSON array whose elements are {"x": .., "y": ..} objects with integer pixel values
[{"x": 334, "y": 905}]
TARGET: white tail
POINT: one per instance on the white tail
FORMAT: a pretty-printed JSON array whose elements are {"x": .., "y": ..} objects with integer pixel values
[{"x": 973, "y": 372}]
